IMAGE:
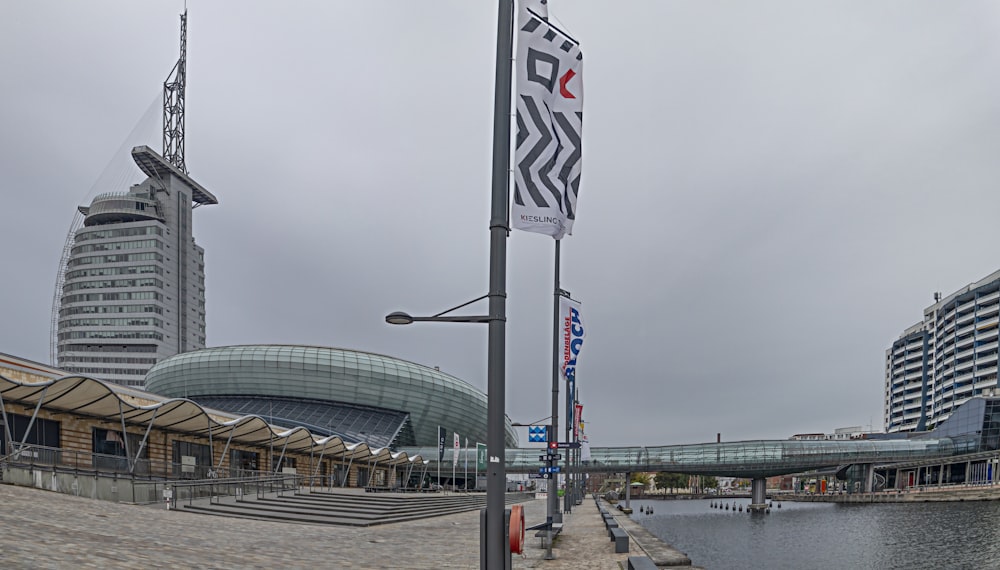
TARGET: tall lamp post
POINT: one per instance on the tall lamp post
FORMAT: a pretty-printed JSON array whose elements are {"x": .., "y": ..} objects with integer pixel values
[{"x": 492, "y": 552}]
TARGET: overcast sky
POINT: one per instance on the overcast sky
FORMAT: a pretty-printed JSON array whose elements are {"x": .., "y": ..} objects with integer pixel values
[{"x": 771, "y": 192}]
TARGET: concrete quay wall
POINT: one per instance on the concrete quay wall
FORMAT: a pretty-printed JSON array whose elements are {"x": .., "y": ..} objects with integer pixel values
[{"x": 921, "y": 495}]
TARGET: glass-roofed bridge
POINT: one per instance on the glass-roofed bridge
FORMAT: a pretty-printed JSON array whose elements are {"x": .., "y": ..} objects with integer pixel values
[
  {"x": 747, "y": 459},
  {"x": 973, "y": 428}
]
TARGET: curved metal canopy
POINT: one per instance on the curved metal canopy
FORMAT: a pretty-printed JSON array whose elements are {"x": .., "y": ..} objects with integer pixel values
[{"x": 91, "y": 397}]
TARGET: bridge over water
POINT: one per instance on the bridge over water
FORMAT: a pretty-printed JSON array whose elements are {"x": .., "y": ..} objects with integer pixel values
[
  {"x": 973, "y": 428},
  {"x": 748, "y": 459}
]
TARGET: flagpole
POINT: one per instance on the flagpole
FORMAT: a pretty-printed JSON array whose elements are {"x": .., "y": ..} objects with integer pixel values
[
  {"x": 569, "y": 450},
  {"x": 552, "y": 514}
]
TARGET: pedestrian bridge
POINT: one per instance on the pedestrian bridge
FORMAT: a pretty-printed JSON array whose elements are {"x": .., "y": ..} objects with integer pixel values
[
  {"x": 974, "y": 427},
  {"x": 749, "y": 459}
]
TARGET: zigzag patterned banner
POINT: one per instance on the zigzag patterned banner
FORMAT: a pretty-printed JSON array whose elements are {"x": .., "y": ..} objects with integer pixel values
[{"x": 548, "y": 148}]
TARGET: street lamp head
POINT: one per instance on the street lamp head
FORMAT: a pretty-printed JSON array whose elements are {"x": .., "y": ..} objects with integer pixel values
[{"x": 398, "y": 318}]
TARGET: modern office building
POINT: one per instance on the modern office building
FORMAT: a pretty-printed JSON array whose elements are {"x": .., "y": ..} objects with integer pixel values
[
  {"x": 131, "y": 285},
  {"x": 134, "y": 289},
  {"x": 944, "y": 360},
  {"x": 358, "y": 396}
]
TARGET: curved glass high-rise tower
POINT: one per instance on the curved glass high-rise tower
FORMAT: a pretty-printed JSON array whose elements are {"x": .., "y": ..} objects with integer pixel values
[{"x": 134, "y": 290}]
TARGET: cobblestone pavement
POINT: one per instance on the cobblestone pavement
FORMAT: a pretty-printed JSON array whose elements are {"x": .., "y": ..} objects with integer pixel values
[{"x": 41, "y": 529}]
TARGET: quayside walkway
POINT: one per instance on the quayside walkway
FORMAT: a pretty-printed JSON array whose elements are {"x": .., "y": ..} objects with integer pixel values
[{"x": 42, "y": 529}]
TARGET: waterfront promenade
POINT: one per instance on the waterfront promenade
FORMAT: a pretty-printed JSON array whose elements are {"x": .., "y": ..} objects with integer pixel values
[{"x": 43, "y": 529}]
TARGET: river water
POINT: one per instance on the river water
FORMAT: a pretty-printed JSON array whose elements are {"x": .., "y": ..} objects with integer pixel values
[{"x": 820, "y": 536}]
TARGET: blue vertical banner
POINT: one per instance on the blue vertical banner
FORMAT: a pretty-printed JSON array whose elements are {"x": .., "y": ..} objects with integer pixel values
[{"x": 573, "y": 334}]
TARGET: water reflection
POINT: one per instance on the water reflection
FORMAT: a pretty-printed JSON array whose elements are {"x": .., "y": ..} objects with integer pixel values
[{"x": 823, "y": 535}]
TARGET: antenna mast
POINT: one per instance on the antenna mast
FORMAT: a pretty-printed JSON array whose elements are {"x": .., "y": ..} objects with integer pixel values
[{"x": 173, "y": 105}]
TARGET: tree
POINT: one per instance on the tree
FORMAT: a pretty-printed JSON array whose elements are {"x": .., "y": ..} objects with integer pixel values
[
  {"x": 665, "y": 480},
  {"x": 709, "y": 482},
  {"x": 643, "y": 478}
]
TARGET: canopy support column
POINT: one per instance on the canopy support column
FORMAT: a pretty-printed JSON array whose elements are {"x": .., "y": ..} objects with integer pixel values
[
  {"x": 27, "y": 430},
  {"x": 145, "y": 438},
  {"x": 347, "y": 473},
  {"x": 424, "y": 474},
  {"x": 8, "y": 439},
  {"x": 408, "y": 473},
  {"x": 211, "y": 447},
  {"x": 282, "y": 458},
  {"x": 226, "y": 450},
  {"x": 128, "y": 456},
  {"x": 319, "y": 464}
]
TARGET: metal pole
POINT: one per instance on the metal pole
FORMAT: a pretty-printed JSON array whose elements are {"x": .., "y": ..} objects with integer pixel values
[
  {"x": 319, "y": 464},
  {"x": 128, "y": 456},
  {"x": 282, "y": 458},
  {"x": 496, "y": 551},
  {"x": 145, "y": 438},
  {"x": 552, "y": 504},
  {"x": 570, "y": 395},
  {"x": 31, "y": 422},
  {"x": 211, "y": 446},
  {"x": 347, "y": 474},
  {"x": 409, "y": 471}
]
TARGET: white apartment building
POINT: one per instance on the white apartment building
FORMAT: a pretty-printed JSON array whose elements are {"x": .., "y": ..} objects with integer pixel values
[{"x": 944, "y": 360}]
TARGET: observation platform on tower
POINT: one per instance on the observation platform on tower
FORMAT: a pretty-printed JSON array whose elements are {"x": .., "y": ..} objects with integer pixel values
[{"x": 155, "y": 166}]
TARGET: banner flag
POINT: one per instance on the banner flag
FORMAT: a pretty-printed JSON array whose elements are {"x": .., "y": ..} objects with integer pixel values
[
  {"x": 538, "y": 434},
  {"x": 441, "y": 436},
  {"x": 548, "y": 146},
  {"x": 584, "y": 448},
  {"x": 576, "y": 420},
  {"x": 454, "y": 457},
  {"x": 480, "y": 456},
  {"x": 572, "y": 341},
  {"x": 466, "y": 454}
]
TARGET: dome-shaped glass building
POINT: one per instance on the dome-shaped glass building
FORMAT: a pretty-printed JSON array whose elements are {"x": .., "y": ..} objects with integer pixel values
[{"x": 360, "y": 396}]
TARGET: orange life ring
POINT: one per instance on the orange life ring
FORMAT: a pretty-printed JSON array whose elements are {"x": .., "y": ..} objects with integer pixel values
[{"x": 517, "y": 529}]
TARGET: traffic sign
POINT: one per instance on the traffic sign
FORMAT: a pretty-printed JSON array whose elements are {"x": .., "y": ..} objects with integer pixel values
[
  {"x": 551, "y": 457},
  {"x": 567, "y": 444},
  {"x": 553, "y": 469},
  {"x": 539, "y": 476}
]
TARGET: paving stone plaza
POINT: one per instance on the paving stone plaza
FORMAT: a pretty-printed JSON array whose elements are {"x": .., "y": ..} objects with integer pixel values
[{"x": 43, "y": 529}]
